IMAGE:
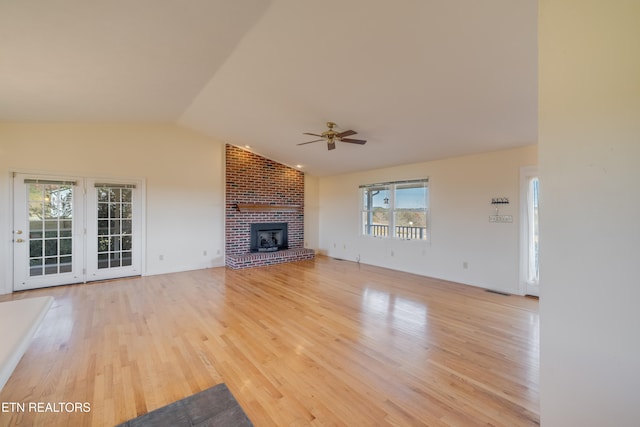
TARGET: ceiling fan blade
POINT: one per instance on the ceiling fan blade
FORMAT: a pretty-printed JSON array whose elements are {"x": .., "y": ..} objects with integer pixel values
[
  {"x": 354, "y": 141},
  {"x": 313, "y": 134},
  {"x": 331, "y": 145},
  {"x": 315, "y": 140},
  {"x": 346, "y": 133}
]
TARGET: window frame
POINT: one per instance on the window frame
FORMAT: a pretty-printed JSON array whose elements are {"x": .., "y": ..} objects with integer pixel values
[{"x": 366, "y": 211}]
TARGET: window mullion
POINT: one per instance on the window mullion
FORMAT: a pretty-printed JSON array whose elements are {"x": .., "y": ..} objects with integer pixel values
[{"x": 392, "y": 210}]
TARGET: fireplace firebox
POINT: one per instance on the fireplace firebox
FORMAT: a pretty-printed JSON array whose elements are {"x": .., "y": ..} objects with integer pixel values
[{"x": 269, "y": 237}]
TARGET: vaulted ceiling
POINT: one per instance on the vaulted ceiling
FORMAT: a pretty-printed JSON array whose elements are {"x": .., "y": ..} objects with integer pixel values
[{"x": 418, "y": 79}]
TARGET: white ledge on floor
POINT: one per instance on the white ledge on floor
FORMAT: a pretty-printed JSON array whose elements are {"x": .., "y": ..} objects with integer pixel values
[{"x": 19, "y": 321}]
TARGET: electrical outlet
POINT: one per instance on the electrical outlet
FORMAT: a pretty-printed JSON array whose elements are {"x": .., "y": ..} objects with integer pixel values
[
  {"x": 465, "y": 265},
  {"x": 161, "y": 257},
  {"x": 204, "y": 253}
]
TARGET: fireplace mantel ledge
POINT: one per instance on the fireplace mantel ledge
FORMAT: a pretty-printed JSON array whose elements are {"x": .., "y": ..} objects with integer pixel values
[{"x": 243, "y": 207}]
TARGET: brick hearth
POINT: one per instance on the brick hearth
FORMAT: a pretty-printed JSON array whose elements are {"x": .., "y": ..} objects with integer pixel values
[{"x": 268, "y": 258}]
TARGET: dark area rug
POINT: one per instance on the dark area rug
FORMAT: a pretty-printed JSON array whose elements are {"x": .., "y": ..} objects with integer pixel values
[{"x": 212, "y": 407}]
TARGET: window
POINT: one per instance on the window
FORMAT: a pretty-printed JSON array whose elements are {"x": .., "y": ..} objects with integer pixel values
[{"x": 395, "y": 209}]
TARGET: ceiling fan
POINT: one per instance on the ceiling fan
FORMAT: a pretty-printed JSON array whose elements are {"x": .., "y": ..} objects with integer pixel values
[{"x": 331, "y": 136}]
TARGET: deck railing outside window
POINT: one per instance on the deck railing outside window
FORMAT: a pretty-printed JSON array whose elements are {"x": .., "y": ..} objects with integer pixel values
[{"x": 402, "y": 231}]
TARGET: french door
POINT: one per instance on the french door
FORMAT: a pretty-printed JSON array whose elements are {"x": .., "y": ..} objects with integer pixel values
[
  {"x": 113, "y": 229},
  {"x": 72, "y": 230},
  {"x": 47, "y": 233}
]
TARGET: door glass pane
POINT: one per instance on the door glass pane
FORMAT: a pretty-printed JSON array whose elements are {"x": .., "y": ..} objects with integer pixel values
[
  {"x": 65, "y": 228},
  {"x": 65, "y": 264},
  {"x": 532, "y": 206},
  {"x": 51, "y": 265},
  {"x": 114, "y": 259},
  {"x": 126, "y": 226},
  {"x": 114, "y": 227},
  {"x": 126, "y": 243},
  {"x": 65, "y": 246},
  {"x": 126, "y": 210},
  {"x": 103, "y": 227},
  {"x": 35, "y": 266},
  {"x": 50, "y": 247},
  {"x": 103, "y": 260},
  {"x": 103, "y": 195},
  {"x": 50, "y": 219},
  {"x": 51, "y": 228}
]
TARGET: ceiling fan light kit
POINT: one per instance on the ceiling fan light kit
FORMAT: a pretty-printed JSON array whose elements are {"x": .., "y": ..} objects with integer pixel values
[{"x": 331, "y": 136}]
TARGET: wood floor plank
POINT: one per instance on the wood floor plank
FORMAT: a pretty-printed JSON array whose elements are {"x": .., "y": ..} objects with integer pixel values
[{"x": 320, "y": 343}]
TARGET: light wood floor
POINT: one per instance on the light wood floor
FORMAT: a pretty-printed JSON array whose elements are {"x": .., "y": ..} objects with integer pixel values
[{"x": 322, "y": 342}]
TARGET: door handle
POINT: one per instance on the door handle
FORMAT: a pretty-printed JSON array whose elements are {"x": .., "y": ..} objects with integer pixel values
[{"x": 19, "y": 240}]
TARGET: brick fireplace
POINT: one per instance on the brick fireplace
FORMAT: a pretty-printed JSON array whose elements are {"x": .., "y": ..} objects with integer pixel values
[{"x": 260, "y": 191}]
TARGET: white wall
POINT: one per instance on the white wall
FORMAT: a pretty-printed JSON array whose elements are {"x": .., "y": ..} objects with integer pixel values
[
  {"x": 311, "y": 211},
  {"x": 589, "y": 144},
  {"x": 461, "y": 190},
  {"x": 183, "y": 172}
]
